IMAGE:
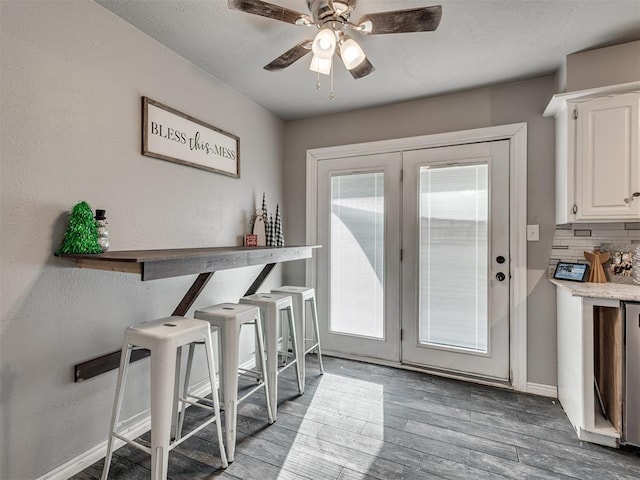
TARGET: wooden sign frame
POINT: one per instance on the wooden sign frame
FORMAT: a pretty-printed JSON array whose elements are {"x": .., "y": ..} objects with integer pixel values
[{"x": 170, "y": 135}]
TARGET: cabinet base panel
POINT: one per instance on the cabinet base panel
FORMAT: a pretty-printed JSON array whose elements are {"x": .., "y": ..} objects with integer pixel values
[{"x": 606, "y": 436}]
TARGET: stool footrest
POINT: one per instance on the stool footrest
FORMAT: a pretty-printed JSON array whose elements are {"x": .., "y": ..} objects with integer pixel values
[
  {"x": 193, "y": 432},
  {"x": 251, "y": 392},
  {"x": 287, "y": 365},
  {"x": 133, "y": 443},
  {"x": 250, "y": 373},
  {"x": 311, "y": 349},
  {"x": 207, "y": 405}
]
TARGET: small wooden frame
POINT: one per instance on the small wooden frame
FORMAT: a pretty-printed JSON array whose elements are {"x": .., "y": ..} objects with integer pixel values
[{"x": 168, "y": 134}]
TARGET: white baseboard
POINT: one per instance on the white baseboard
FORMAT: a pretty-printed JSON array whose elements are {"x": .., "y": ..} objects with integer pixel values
[
  {"x": 139, "y": 425},
  {"x": 82, "y": 461},
  {"x": 541, "y": 389}
]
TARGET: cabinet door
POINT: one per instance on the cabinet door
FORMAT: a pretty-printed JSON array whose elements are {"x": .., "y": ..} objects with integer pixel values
[{"x": 606, "y": 154}]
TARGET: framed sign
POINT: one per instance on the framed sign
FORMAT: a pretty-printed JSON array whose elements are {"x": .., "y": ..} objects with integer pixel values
[
  {"x": 576, "y": 272},
  {"x": 168, "y": 134}
]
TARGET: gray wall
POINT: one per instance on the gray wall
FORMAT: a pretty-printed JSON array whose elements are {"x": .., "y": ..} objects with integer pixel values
[
  {"x": 72, "y": 78},
  {"x": 504, "y": 104}
]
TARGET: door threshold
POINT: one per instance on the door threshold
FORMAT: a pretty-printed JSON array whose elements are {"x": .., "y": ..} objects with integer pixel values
[
  {"x": 503, "y": 384},
  {"x": 466, "y": 377}
]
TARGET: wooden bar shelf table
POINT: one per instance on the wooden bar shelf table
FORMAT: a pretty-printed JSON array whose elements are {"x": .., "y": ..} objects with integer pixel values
[{"x": 157, "y": 264}]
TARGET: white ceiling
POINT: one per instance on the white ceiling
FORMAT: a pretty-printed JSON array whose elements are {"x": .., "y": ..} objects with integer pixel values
[{"x": 478, "y": 43}]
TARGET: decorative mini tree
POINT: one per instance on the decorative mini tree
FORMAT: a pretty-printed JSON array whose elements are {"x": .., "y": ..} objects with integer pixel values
[
  {"x": 278, "y": 232},
  {"x": 82, "y": 234}
]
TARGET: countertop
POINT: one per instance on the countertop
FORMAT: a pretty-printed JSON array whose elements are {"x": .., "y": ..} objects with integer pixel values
[{"x": 614, "y": 291}]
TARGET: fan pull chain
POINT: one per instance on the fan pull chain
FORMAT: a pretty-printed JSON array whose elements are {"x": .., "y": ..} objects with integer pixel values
[
  {"x": 318, "y": 83},
  {"x": 331, "y": 95}
]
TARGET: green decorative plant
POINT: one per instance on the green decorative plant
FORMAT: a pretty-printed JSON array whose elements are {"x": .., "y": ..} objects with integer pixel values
[{"x": 82, "y": 234}]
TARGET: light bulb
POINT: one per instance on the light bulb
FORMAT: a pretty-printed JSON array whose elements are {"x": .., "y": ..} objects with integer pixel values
[
  {"x": 324, "y": 45},
  {"x": 321, "y": 65},
  {"x": 351, "y": 53}
]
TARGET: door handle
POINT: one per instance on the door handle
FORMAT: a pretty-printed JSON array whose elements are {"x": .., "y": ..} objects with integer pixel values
[{"x": 500, "y": 276}]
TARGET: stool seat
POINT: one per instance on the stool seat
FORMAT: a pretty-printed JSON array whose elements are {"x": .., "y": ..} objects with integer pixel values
[
  {"x": 228, "y": 318},
  {"x": 229, "y": 312},
  {"x": 170, "y": 330},
  {"x": 164, "y": 338},
  {"x": 306, "y": 291},
  {"x": 272, "y": 306},
  {"x": 266, "y": 300},
  {"x": 303, "y": 296}
]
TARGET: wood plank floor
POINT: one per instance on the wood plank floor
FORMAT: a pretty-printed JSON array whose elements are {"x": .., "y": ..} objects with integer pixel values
[{"x": 361, "y": 421}]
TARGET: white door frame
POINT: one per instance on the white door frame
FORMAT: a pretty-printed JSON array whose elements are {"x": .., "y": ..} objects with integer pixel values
[{"x": 516, "y": 133}]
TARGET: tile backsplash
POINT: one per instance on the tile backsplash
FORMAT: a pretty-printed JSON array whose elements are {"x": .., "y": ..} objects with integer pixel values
[{"x": 572, "y": 240}]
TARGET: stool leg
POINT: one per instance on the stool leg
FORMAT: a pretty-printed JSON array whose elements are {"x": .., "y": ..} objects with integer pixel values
[
  {"x": 263, "y": 364},
  {"x": 285, "y": 334},
  {"x": 301, "y": 332},
  {"x": 117, "y": 403},
  {"x": 214, "y": 394},
  {"x": 163, "y": 368},
  {"x": 177, "y": 405},
  {"x": 314, "y": 319},
  {"x": 229, "y": 338},
  {"x": 185, "y": 391},
  {"x": 296, "y": 352},
  {"x": 270, "y": 327}
]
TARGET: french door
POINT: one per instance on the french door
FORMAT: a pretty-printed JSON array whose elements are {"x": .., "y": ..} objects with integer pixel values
[
  {"x": 445, "y": 212},
  {"x": 359, "y": 264},
  {"x": 455, "y": 273}
]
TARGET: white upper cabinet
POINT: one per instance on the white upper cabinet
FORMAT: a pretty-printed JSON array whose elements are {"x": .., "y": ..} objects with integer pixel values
[
  {"x": 597, "y": 154},
  {"x": 607, "y": 164}
]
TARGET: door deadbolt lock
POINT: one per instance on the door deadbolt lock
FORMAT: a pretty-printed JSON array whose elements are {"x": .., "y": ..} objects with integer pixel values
[
  {"x": 500, "y": 276},
  {"x": 500, "y": 259}
]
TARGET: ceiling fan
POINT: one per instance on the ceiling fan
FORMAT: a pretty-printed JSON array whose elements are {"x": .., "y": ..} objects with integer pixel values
[{"x": 332, "y": 19}]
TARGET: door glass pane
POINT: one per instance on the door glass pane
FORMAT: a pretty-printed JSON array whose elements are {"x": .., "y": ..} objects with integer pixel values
[
  {"x": 453, "y": 213},
  {"x": 357, "y": 254}
]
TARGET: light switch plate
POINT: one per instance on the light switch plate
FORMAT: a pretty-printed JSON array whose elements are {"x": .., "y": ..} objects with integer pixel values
[{"x": 533, "y": 233}]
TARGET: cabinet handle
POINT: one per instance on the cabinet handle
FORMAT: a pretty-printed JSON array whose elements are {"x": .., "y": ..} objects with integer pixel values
[
  {"x": 575, "y": 209},
  {"x": 631, "y": 198}
]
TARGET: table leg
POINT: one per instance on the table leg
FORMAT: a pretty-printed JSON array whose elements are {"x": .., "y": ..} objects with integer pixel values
[
  {"x": 192, "y": 294},
  {"x": 262, "y": 276}
]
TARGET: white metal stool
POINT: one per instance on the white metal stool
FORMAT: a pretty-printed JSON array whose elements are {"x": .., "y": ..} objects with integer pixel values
[
  {"x": 229, "y": 318},
  {"x": 303, "y": 296},
  {"x": 272, "y": 305},
  {"x": 163, "y": 338}
]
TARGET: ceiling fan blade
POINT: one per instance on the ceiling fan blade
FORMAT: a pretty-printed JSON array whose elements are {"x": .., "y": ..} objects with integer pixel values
[
  {"x": 425, "y": 19},
  {"x": 269, "y": 10},
  {"x": 290, "y": 56},
  {"x": 362, "y": 70}
]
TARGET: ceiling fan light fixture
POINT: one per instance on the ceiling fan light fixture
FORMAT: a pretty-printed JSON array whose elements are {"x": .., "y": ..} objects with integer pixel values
[
  {"x": 351, "y": 53},
  {"x": 324, "y": 45},
  {"x": 340, "y": 7},
  {"x": 321, "y": 65}
]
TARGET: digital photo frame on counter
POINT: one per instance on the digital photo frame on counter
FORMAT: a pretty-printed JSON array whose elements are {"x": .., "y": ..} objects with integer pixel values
[{"x": 575, "y": 272}]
